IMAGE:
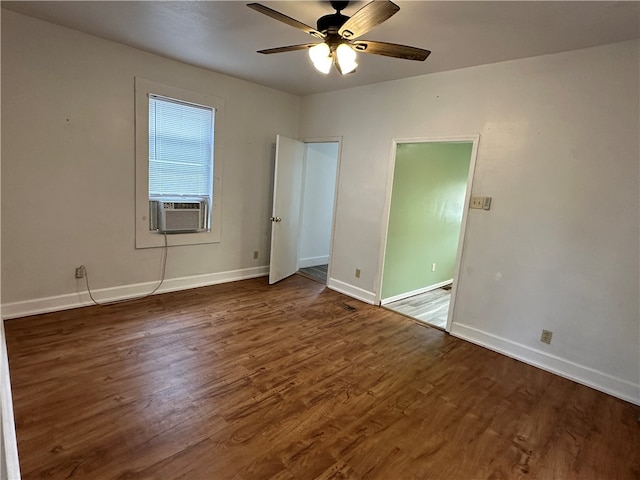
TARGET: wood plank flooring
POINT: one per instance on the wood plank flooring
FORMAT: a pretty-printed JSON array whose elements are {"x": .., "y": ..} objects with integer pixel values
[
  {"x": 317, "y": 273},
  {"x": 245, "y": 381},
  {"x": 429, "y": 307}
]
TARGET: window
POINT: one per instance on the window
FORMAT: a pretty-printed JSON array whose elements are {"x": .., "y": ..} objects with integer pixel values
[
  {"x": 180, "y": 149},
  {"x": 176, "y": 165},
  {"x": 180, "y": 165}
]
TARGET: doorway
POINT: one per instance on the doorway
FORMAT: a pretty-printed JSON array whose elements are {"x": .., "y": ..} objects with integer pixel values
[
  {"x": 316, "y": 220},
  {"x": 427, "y": 214},
  {"x": 305, "y": 182}
]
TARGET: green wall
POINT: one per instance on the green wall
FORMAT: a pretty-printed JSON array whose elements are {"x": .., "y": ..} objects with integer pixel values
[{"x": 427, "y": 201}]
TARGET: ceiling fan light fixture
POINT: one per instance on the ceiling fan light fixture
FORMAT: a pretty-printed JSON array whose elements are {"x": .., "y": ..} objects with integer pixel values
[
  {"x": 346, "y": 58},
  {"x": 320, "y": 55},
  {"x": 339, "y": 32}
]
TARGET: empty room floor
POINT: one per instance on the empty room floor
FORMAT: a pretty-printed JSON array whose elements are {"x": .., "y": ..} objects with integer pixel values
[
  {"x": 429, "y": 307},
  {"x": 317, "y": 273},
  {"x": 249, "y": 381}
]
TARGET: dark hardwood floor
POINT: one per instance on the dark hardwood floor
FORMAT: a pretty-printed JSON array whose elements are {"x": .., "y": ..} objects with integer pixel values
[{"x": 294, "y": 381}]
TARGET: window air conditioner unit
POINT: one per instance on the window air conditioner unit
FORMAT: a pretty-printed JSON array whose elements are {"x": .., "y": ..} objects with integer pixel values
[{"x": 179, "y": 215}]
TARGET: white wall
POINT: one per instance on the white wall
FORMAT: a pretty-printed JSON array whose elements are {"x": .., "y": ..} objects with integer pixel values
[
  {"x": 68, "y": 168},
  {"x": 559, "y": 154},
  {"x": 320, "y": 166}
]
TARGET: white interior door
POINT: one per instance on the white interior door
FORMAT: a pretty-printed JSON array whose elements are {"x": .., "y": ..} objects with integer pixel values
[{"x": 285, "y": 220}]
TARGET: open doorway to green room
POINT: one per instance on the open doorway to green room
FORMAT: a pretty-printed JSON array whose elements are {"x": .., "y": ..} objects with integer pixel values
[{"x": 428, "y": 195}]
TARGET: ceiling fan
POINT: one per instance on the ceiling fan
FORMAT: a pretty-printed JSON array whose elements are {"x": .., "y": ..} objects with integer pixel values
[{"x": 340, "y": 33}]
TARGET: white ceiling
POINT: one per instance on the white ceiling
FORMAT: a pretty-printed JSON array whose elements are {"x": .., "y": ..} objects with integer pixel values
[{"x": 224, "y": 35}]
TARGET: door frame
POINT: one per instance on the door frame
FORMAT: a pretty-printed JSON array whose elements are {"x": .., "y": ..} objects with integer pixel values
[
  {"x": 338, "y": 140},
  {"x": 475, "y": 140}
]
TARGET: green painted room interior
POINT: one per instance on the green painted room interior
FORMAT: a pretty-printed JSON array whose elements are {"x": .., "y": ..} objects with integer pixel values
[{"x": 427, "y": 202}]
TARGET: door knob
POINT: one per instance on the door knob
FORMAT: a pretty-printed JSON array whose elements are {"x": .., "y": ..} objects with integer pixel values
[{"x": 275, "y": 219}]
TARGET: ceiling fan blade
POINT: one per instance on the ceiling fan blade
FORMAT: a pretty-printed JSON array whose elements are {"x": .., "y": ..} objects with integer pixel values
[
  {"x": 369, "y": 16},
  {"x": 391, "y": 50},
  {"x": 290, "y": 48},
  {"x": 285, "y": 19}
]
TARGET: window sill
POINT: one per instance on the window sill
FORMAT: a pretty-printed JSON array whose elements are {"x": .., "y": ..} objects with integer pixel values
[{"x": 154, "y": 239}]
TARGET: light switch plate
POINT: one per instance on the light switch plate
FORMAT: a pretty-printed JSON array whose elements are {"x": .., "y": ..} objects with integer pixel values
[{"x": 481, "y": 203}]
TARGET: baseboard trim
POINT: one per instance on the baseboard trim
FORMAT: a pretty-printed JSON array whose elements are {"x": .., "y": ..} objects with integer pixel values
[
  {"x": 313, "y": 261},
  {"x": 402, "y": 296},
  {"x": 82, "y": 299},
  {"x": 596, "y": 379},
  {"x": 352, "y": 291}
]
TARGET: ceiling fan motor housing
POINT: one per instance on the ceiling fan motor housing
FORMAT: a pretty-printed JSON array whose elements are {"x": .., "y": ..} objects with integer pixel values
[
  {"x": 339, "y": 6},
  {"x": 331, "y": 23}
]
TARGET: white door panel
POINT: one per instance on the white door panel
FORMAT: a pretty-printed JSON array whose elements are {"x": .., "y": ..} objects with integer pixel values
[{"x": 287, "y": 194}]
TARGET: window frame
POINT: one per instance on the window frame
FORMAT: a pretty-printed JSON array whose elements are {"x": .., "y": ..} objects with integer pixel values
[{"x": 146, "y": 238}]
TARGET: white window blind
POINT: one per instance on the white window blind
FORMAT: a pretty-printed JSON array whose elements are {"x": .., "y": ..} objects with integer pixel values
[{"x": 180, "y": 148}]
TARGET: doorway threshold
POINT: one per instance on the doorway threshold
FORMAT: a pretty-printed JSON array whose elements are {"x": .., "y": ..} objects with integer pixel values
[
  {"x": 430, "y": 308},
  {"x": 317, "y": 273}
]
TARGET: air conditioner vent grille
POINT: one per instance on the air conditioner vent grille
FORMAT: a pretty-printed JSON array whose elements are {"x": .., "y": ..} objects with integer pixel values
[
  {"x": 181, "y": 220},
  {"x": 179, "y": 216},
  {"x": 182, "y": 205}
]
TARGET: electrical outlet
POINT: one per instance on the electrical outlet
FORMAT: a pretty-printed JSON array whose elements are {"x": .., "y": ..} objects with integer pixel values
[
  {"x": 433, "y": 267},
  {"x": 80, "y": 271},
  {"x": 255, "y": 254},
  {"x": 481, "y": 203},
  {"x": 357, "y": 273},
  {"x": 546, "y": 336},
  {"x": 477, "y": 202}
]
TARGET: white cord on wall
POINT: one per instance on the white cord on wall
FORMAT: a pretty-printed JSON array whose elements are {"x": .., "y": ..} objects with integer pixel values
[{"x": 162, "y": 277}]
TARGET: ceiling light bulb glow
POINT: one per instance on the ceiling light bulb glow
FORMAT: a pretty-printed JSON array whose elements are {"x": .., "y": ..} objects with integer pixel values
[
  {"x": 346, "y": 58},
  {"x": 320, "y": 55},
  {"x": 324, "y": 65}
]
